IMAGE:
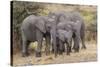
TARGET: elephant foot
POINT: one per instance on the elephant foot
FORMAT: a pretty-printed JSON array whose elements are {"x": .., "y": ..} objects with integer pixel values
[
  {"x": 25, "y": 54},
  {"x": 55, "y": 55},
  {"x": 73, "y": 48},
  {"x": 83, "y": 47},
  {"x": 63, "y": 50},
  {"x": 67, "y": 53},
  {"x": 52, "y": 50},
  {"x": 38, "y": 54},
  {"x": 77, "y": 50},
  {"x": 60, "y": 52},
  {"x": 70, "y": 49}
]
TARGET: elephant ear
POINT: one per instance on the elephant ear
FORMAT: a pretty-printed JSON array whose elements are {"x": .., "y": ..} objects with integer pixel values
[{"x": 40, "y": 24}]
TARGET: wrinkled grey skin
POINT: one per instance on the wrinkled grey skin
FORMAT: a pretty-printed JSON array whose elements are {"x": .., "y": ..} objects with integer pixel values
[
  {"x": 64, "y": 37},
  {"x": 79, "y": 27},
  {"x": 33, "y": 29},
  {"x": 64, "y": 34}
]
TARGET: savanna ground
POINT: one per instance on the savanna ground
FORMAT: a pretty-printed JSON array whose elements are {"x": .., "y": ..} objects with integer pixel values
[{"x": 90, "y": 54}]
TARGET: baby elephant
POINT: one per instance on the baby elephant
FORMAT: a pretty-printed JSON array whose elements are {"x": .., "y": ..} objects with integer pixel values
[{"x": 64, "y": 37}]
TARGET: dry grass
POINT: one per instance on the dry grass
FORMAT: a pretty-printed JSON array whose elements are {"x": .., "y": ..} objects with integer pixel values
[{"x": 90, "y": 54}]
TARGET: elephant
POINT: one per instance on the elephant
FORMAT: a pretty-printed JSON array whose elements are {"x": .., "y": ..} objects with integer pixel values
[
  {"x": 34, "y": 28},
  {"x": 64, "y": 36},
  {"x": 52, "y": 26},
  {"x": 79, "y": 26}
]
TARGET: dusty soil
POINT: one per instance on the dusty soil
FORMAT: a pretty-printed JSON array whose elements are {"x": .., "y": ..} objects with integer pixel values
[{"x": 90, "y": 54}]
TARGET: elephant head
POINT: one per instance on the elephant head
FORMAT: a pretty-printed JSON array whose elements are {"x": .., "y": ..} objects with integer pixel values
[
  {"x": 58, "y": 16},
  {"x": 64, "y": 35},
  {"x": 40, "y": 24}
]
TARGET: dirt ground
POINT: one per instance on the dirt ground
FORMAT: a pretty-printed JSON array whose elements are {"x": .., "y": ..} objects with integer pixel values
[{"x": 90, "y": 54}]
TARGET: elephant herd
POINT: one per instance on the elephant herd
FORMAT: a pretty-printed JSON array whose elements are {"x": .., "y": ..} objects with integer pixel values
[{"x": 58, "y": 29}]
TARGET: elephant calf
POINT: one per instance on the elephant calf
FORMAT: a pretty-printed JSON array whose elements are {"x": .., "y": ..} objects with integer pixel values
[{"x": 64, "y": 37}]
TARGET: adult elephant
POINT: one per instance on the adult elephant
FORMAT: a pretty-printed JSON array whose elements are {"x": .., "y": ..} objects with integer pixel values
[
  {"x": 34, "y": 28},
  {"x": 74, "y": 17}
]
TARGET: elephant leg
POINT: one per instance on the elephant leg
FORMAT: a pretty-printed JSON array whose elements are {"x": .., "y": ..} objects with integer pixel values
[
  {"x": 70, "y": 47},
  {"x": 39, "y": 37},
  {"x": 27, "y": 46},
  {"x": 63, "y": 47},
  {"x": 75, "y": 46},
  {"x": 83, "y": 43},
  {"x": 70, "y": 50},
  {"x": 24, "y": 45},
  {"x": 55, "y": 49},
  {"x": 73, "y": 36},
  {"x": 76, "y": 42},
  {"x": 47, "y": 44},
  {"x": 83, "y": 40},
  {"x": 60, "y": 47},
  {"x": 38, "y": 52},
  {"x": 24, "y": 48},
  {"x": 52, "y": 49},
  {"x": 67, "y": 47}
]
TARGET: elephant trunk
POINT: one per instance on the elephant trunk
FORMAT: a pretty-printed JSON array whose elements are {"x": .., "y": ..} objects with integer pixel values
[{"x": 53, "y": 37}]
